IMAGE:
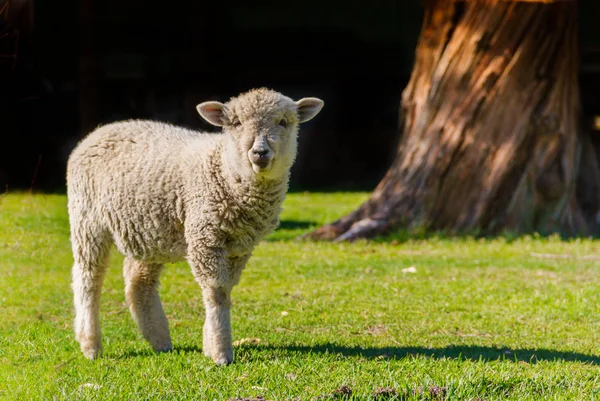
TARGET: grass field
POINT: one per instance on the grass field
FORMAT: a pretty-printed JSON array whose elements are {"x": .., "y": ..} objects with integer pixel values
[{"x": 432, "y": 317}]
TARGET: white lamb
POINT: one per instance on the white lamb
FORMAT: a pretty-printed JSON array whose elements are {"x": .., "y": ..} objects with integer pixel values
[{"x": 162, "y": 193}]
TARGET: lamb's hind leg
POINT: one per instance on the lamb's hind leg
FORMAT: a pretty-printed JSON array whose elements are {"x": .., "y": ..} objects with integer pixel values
[
  {"x": 90, "y": 252},
  {"x": 141, "y": 291}
]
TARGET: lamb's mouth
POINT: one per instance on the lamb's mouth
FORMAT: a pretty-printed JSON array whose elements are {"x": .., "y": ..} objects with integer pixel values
[{"x": 261, "y": 165}]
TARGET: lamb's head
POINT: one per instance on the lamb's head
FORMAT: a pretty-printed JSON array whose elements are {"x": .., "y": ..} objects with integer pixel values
[{"x": 261, "y": 128}]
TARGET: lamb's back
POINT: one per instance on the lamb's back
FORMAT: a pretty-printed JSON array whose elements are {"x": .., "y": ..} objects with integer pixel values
[
  {"x": 129, "y": 176},
  {"x": 136, "y": 142}
]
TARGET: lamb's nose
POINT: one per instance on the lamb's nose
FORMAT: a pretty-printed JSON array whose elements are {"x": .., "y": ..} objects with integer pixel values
[{"x": 260, "y": 152}]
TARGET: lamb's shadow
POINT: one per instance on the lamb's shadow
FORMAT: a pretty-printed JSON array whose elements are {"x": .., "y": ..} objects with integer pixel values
[
  {"x": 296, "y": 224},
  {"x": 470, "y": 352},
  {"x": 187, "y": 349},
  {"x": 147, "y": 352},
  {"x": 289, "y": 229}
]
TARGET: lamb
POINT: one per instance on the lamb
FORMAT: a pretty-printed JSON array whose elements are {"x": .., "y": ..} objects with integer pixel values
[{"x": 162, "y": 193}]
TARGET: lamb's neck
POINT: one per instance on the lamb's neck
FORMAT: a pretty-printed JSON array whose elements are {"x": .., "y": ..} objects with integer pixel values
[{"x": 259, "y": 187}]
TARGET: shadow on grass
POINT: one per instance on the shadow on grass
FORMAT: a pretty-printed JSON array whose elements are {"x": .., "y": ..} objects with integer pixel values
[
  {"x": 147, "y": 352},
  {"x": 296, "y": 224},
  {"x": 401, "y": 236},
  {"x": 290, "y": 229},
  {"x": 470, "y": 353}
]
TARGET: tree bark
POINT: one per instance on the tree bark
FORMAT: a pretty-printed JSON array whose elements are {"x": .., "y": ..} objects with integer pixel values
[{"x": 491, "y": 136}]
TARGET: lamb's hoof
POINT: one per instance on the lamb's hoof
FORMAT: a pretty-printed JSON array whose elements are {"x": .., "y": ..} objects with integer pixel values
[
  {"x": 220, "y": 358},
  {"x": 90, "y": 344},
  {"x": 162, "y": 345},
  {"x": 223, "y": 358},
  {"x": 222, "y": 361},
  {"x": 167, "y": 348},
  {"x": 91, "y": 352}
]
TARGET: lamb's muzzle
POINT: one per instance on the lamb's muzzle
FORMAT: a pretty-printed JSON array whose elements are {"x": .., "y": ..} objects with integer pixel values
[{"x": 260, "y": 154}]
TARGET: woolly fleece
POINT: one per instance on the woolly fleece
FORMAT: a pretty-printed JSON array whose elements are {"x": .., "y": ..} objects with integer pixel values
[{"x": 163, "y": 193}]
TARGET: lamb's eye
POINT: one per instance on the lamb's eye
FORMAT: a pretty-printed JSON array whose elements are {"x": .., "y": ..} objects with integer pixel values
[
  {"x": 236, "y": 123},
  {"x": 283, "y": 123}
]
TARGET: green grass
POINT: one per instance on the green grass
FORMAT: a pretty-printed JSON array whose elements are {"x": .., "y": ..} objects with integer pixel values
[{"x": 494, "y": 319}]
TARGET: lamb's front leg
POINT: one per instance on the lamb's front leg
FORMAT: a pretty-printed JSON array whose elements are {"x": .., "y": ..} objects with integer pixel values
[
  {"x": 212, "y": 271},
  {"x": 217, "y": 326}
]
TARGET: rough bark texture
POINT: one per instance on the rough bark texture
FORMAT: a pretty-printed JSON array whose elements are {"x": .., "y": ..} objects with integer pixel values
[{"x": 491, "y": 136}]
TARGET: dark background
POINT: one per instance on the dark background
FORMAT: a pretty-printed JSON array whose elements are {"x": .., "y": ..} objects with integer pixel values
[{"x": 67, "y": 66}]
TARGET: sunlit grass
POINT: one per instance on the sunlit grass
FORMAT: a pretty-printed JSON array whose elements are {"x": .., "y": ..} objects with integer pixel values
[{"x": 494, "y": 319}]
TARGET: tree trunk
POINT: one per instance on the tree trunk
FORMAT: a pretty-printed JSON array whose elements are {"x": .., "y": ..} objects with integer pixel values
[{"x": 491, "y": 135}]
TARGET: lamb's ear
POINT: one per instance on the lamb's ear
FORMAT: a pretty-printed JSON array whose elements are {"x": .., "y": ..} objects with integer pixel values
[
  {"x": 213, "y": 112},
  {"x": 308, "y": 108}
]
